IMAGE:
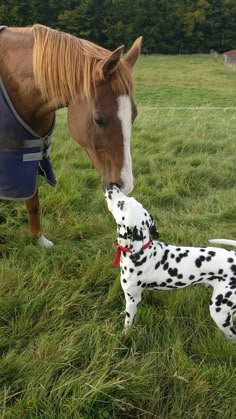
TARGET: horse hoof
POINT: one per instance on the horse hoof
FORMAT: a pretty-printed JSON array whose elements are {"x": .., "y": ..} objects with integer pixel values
[{"x": 45, "y": 242}]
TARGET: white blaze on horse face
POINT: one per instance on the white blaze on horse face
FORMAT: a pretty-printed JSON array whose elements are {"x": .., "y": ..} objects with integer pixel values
[{"x": 125, "y": 116}]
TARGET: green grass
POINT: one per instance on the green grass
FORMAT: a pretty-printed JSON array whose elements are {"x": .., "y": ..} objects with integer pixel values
[{"x": 63, "y": 353}]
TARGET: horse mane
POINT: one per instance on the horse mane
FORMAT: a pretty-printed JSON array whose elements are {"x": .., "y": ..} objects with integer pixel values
[{"x": 65, "y": 66}]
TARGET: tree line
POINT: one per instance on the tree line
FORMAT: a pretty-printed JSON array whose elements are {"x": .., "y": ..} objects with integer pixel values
[{"x": 168, "y": 26}]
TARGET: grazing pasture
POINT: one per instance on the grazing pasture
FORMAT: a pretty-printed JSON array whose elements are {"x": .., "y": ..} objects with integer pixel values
[{"x": 63, "y": 353}]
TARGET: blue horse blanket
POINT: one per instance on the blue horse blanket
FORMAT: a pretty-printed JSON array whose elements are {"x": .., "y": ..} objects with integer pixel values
[{"x": 23, "y": 153}]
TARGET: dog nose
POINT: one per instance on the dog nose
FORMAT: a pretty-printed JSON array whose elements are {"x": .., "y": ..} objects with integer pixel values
[{"x": 108, "y": 185}]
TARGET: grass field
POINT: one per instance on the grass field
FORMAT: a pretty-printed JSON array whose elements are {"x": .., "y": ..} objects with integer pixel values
[{"x": 63, "y": 353}]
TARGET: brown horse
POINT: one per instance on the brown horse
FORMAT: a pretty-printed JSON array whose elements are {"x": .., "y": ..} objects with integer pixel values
[{"x": 44, "y": 70}]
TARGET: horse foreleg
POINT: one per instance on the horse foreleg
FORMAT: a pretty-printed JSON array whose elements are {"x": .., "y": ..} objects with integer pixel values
[{"x": 32, "y": 206}]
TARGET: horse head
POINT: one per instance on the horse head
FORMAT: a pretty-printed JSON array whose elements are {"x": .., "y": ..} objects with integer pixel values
[{"x": 102, "y": 124}]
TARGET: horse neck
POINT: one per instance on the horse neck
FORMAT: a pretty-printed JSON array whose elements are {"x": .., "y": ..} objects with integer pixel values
[{"x": 16, "y": 70}]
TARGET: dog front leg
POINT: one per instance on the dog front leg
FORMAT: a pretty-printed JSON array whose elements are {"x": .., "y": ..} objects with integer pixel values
[{"x": 131, "y": 308}]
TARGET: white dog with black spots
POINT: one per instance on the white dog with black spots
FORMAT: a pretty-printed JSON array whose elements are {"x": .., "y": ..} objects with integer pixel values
[{"x": 147, "y": 263}]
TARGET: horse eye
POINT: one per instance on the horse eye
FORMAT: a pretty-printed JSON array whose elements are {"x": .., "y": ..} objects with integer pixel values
[{"x": 99, "y": 121}]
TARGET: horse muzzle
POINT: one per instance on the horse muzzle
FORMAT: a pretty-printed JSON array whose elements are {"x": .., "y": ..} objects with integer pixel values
[{"x": 125, "y": 188}]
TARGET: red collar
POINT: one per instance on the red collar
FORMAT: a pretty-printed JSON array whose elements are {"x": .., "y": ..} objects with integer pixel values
[{"x": 120, "y": 249}]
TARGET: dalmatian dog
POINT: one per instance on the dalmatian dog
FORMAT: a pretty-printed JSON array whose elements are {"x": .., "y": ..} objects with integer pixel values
[{"x": 149, "y": 264}]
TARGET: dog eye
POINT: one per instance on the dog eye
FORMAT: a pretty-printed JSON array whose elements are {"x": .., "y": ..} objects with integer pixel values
[{"x": 99, "y": 121}]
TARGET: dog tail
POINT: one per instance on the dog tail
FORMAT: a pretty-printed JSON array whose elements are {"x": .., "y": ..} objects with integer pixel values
[{"x": 223, "y": 241}]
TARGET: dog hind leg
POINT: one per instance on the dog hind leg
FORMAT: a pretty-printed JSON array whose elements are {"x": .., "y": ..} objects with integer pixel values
[{"x": 224, "y": 320}]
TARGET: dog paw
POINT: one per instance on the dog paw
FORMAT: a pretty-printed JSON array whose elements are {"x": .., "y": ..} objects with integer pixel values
[
  {"x": 47, "y": 244},
  {"x": 126, "y": 330}
]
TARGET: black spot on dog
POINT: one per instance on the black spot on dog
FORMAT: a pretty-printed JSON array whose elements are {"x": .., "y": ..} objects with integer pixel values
[
  {"x": 109, "y": 193},
  {"x": 211, "y": 253},
  {"x": 169, "y": 280},
  {"x": 180, "y": 284},
  {"x": 227, "y": 321},
  {"x": 124, "y": 280},
  {"x": 127, "y": 314},
  {"x": 202, "y": 250},
  {"x": 198, "y": 263},
  {"x": 151, "y": 285},
  {"x": 173, "y": 272},
  {"x": 120, "y": 204},
  {"x": 137, "y": 234},
  {"x": 180, "y": 276},
  {"x": 164, "y": 258},
  {"x": 230, "y": 260},
  {"x": 202, "y": 258},
  {"x": 139, "y": 283},
  {"x": 228, "y": 294},
  {"x": 191, "y": 277},
  {"x": 219, "y": 299},
  {"x": 220, "y": 271},
  {"x": 139, "y": 273},
  {"x": 157, "y": 265},
  {"x": 178, "y": 260},
  {"x": 208, "y": 258},
  {"x": 218, "y": 309},
  {"x": 233, "y": 269},
  {"x": 139, "y": 263},
  {"x": 232, "y": 280},
  {"x": 131, "y": 270},
  {"x": 166, "y": 266}
]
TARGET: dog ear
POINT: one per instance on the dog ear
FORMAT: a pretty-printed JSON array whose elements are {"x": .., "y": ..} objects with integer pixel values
[{"x": 152, "y": 228}]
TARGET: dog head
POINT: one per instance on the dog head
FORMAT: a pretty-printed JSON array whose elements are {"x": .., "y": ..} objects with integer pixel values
[{"x": 133, "y": 221}]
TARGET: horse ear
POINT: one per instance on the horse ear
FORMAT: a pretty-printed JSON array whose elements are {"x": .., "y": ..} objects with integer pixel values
[
  {"x": 133, "y": 54},
  {"x": 112, "y": 61},
  {"x": 152, "y": 228}
]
